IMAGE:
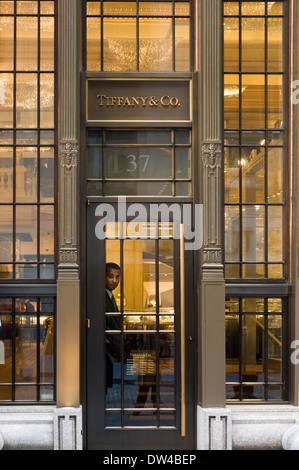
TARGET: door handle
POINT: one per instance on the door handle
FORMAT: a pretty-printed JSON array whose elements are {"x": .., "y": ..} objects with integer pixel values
[{"x": 183, "y": 352}]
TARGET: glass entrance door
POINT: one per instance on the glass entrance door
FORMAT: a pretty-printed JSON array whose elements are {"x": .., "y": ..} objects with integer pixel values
[{"x": 139, "y": 309}]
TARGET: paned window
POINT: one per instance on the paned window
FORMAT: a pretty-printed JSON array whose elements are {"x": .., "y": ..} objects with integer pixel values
[
  {"x": 255, "y": 199},
  {"x": 27, "y": 200},
  {"x": 255, "y": 328},
  {"x": 139, "y": 162},
  {"x": 254, "y": 139},
  {"x": 138, "y": 36},
  {"x": 27, "y": 365}
]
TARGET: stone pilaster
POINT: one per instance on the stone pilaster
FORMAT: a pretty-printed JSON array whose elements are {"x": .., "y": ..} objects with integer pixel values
[
  {"x": 212, "y": 287},
  {"x": 68, "y": 298}
]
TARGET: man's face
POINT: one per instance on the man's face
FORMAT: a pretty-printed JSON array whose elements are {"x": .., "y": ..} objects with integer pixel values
[{"x": 112, "y": 278}]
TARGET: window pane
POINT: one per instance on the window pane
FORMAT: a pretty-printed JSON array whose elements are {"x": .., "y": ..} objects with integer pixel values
[
  {"x": 232, "y": 348},
  {"x": 166, "y": 276},
  {"x": 7, "y": 44},
  {"x": 26, "y": 42},
  {"x": 275, "y": 45},
  {"x": 26, "y": 100},
  {"x": 47, "y": 233},
  {"x": 253, "y": 101},
  {"x": 26, "y": 359},
  {"x": 6, "y": 7},
  {"x": 275, "y": 175},
  {"x": 232, "y": 233},
  {"x": 231, "y": 44},
  {"x": 182, "y": 44},
  {"x": 119, "y": 44},
  {"x": 139, "y": 275},
  {"x": 93, "y": 39},
  {"x": 182, "y": 162},
  {"x": 252, "y": 351},
  {"x": 253, "y": 174},
  {"x": 138, "y": 189},
  {"x": 231, "y": 8},
  {"x": 47, "y": 100},
  {"x": 275, "y": 233},
  {"x": 6, "y": 238},
  {"x": 6, "y": 337},
  {"x": 138, "y": 163},
  {"x": 27, "y": 7},
  {"x": 26, "y": 233},
  {"x": 47, "y": 43},
  {"x": 6, "y": 174},
  {"x": 274, "y": 348},
  {"x": 253, "y": 243},
  {"x": 46, "y": 174},
  {"x": 155, "y": 44},
  {"x": 26, "y": 174},
  {"x": 155, "y": 8},
  {"x": 6, "y": 100},
  {"x": 253, "y": 44},
  {"x": 231, "y": 101},
  {"x": 231, "y": 174},
  {"x": 275, "y": 99},
  {"x": 253, "y": 8}
]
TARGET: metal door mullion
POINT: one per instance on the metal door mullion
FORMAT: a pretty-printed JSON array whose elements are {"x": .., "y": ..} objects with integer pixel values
[
  {"x": 122, "y": 381},
  {"x": 157, "y": 330}
]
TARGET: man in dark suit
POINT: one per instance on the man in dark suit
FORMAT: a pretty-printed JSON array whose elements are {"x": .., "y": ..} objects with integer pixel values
[{"x": 113, "y": 322}]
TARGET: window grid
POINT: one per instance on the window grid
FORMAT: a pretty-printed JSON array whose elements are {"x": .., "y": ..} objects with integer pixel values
[
  {"x": 27, "y": 138},
  {"x": 240, "y": 141},
  {"x": 96, "y": 11},
  {"x": 178, "y": 183},
  {"x": 27, "y": 349},
  {"x": 255, "y": 357}
]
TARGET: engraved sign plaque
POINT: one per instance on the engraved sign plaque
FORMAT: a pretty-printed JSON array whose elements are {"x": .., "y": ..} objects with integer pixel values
[{"x": 146, "y": 100}]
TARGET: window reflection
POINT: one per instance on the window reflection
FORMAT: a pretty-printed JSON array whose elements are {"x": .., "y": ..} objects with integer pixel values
[
  {"x": 27, "y": 349},
  {"x": 157, "y": 39},
  {"x": 254, "y": 348},
  {"x": 27, "y": 138},
  {"x": 140, "y": 380},
  {"x": 254, "y": 139}
]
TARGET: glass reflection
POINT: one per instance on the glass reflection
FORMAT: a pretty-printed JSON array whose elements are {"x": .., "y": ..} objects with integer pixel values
[
  {"x": 119, "y": 43},
  {"x": 231, "y": 44},
  {"x": 139, "y": 275},
  {"x": 6, "y": 174},
  {"x": 140, "y": 379},
  {"x": 253, "y": 44}
]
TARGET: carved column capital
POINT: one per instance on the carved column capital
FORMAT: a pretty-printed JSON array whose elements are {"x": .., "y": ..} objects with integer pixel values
[{"x": 68, "y": 155}]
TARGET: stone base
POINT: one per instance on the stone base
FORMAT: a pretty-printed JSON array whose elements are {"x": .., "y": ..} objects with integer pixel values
[
  {"x": 26, "y": 427},
  {"x": 40, "y": 428},
  {"x": 214, "y": 429},
  {"x": 68, "y": 429},
  {"x": 264, "y": 427}
]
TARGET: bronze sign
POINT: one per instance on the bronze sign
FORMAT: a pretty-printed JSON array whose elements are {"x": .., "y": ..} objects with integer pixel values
[{"x": 138, "y": 100}]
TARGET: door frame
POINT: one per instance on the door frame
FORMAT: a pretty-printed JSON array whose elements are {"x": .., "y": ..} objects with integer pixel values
[{"x": 121, "y": 436}]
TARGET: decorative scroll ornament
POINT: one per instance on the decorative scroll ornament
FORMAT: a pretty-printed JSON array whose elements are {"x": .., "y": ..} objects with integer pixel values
[
  {"x": 212, "y": 256},
  {"x": 211, "y": 155},
  {"x": 68, "y": 256},
  {"x": 68, "y": 155}
]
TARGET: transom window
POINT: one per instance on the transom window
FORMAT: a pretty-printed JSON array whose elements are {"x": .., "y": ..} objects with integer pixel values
[
  {"x": 138, "y": 36},
  {"x": 139, "y": 162}
]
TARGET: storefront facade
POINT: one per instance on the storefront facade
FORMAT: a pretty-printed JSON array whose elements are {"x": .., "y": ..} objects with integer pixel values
[{"x": 158, "y": 136}]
